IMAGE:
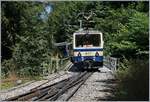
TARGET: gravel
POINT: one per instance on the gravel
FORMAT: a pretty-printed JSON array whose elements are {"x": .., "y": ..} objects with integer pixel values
[{"x": 97, "y": 88}]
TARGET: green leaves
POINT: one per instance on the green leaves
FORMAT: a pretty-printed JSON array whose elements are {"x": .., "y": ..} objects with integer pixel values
[
  {"x": 124, "y": 45},
  {"x": 28, "y": 38},
  {"x": 22, "y": 26},
  {"x": 130, "y": 80}
]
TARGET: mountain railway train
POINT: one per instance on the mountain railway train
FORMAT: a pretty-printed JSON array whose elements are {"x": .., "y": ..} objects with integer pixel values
[{"x": 88, "y": 48}]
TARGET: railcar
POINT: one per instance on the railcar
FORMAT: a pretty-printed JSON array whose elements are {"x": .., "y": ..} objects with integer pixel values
[{"x": 88, "y": 48}]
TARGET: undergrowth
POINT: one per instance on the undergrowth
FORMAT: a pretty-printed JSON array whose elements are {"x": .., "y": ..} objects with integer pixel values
[{"x": 133, "y": 80}]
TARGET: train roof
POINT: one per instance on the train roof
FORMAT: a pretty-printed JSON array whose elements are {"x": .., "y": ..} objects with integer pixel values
[{"x": 85, "y": 31}]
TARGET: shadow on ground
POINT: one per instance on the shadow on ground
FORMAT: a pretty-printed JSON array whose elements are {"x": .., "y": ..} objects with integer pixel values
[
  {"x": 80, "y": 68},
  {"x": 110, "y": 88},
  {"x": 76, "y": 68}
]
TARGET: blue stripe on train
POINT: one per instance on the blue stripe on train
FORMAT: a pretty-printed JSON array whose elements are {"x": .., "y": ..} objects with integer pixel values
[
  {"x": 83, "y": 58},
  {"x": 95, "y": 49}
]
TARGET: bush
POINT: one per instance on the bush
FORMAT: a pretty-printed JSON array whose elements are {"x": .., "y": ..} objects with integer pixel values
[
  {"x": 133, "y": 76},
  {"x": 7, "y": 67}
]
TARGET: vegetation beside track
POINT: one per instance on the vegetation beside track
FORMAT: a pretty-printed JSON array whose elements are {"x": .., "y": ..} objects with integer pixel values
[{"x": 133, "y": 80}]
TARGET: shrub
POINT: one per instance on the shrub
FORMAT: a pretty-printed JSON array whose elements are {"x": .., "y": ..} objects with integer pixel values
[
  {"x": 133, "y": 76},
  {"x": 7, "y": 67}
]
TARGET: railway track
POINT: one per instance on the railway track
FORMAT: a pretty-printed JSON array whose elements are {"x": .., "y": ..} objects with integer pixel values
[
  {"x": 49, "y": 80},
  {"x": 54, "y": 91},
  {"x": 28, "y": 83}
]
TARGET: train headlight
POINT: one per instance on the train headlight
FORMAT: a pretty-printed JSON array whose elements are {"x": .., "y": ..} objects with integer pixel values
[{"x": 82, "y": 58}]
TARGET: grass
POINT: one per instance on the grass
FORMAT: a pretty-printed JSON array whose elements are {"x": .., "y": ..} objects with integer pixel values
[
  {"x": 11, "y": 83},
  {"x": 7, "y": 85}
]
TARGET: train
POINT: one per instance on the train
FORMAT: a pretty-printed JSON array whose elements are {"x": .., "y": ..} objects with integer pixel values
[{"x": 87, "y": 48}]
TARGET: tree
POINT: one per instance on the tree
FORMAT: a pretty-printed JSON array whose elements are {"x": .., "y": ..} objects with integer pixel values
[{"x": 25, "y": 34}]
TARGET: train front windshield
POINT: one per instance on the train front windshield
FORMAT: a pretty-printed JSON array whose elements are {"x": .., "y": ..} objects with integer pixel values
[{"x": 87, "y": 40}]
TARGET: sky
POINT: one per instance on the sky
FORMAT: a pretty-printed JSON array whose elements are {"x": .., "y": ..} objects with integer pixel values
[{"x": 48, "y": 8}]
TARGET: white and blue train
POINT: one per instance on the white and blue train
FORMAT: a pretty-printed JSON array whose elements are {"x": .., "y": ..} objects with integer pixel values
[{"x": 88, "y": 48}]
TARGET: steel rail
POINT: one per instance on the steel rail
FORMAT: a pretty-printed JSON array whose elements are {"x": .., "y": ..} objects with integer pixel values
[
  {"x": 32, "y": 92},
  {"x": 78, "y": 86},
  {"x": 53, "y": 78},
  {"x": 66, "y": 87},
  {"x": 53, "y": 91}
]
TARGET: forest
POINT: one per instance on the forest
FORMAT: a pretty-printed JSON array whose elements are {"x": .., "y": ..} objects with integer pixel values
[{"x": 29, "y": 30}]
